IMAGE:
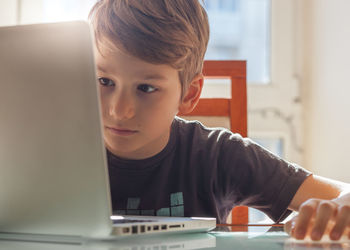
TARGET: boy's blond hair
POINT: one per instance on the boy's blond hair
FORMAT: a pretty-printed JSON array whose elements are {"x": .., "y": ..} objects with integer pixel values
[{"x": 173, "y": 32}]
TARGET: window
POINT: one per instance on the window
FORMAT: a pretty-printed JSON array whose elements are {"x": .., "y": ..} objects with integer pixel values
[
  {"x": 240, "y": 29},
  {"x": 66, "y": 10},
  {"x": 264, "y": 33},
  {"x": 38, "y": 11}
]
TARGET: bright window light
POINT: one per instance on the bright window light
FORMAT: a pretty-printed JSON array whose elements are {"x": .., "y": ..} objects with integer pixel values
[
  {"x": 240, "y": 30},
  {"x": 66, "y": 10}
]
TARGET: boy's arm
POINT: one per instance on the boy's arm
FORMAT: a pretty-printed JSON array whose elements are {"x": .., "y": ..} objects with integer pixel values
[{"x": 319, "y": 201}]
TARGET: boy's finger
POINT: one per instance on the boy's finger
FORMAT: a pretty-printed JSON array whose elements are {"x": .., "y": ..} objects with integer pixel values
[
  {"x": 324, "y": 213},
  {"x": 289, "y": 226},
  {"x": 342, "y": 221},
  {"x": 306, "y": 212}
]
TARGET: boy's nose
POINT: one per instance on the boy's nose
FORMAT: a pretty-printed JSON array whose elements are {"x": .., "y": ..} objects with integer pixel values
[{"x": 122, "y": 107}]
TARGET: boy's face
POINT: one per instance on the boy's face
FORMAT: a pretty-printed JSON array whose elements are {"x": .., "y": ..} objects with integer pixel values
[{"x": 139, "y": 101}]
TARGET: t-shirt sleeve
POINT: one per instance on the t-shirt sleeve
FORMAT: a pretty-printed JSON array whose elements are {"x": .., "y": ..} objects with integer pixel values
[{"x": 251, "y": 175}]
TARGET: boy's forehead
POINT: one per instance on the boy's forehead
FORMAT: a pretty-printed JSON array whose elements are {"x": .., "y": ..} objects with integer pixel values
[
  {"x": 102, "y": 51},
  {"x": 118, "y": 62},
  {"x": 107, "y": 59}
]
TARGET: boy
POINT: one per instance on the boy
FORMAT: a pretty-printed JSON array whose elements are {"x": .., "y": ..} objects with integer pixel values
[{"x": 149, "y": 58}]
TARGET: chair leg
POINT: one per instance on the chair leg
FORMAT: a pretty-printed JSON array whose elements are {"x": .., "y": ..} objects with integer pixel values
[{"x": 240, "y": 217}]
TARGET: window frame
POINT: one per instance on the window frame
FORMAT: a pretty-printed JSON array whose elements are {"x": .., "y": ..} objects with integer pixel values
[{"x": 275, "y": 108}]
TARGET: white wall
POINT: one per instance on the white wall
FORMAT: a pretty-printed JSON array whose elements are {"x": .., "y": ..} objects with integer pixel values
[
  {"x": 325, "y": 29},
  {"x": 8, "y": 13}
]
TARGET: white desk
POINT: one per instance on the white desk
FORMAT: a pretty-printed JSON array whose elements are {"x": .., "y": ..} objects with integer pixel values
[{"x": 221, "y": 239}]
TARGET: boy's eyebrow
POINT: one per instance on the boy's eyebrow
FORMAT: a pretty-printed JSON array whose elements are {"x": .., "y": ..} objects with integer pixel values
[
  {"x": 101, "y": 69},
  {"x": 154, "y": 76}
]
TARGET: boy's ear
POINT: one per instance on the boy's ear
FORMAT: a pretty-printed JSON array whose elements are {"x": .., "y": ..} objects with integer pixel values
[{"x": 191, "y": 96}]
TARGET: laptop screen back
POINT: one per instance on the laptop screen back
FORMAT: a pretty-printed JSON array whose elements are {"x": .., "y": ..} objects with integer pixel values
[{"x": 53, "y": 177}]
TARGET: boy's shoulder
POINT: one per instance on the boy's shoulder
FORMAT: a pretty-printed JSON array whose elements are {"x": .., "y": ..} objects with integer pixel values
[
  {"x": 196, "y": 127},
  {"x": 194, "y": 132}
]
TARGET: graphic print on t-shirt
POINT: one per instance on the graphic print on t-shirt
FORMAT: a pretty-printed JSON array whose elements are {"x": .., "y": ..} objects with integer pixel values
[{"x": 176, "y": 207}]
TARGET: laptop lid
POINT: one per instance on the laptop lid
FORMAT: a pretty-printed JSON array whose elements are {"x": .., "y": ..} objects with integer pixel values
[
  {"x": 53, "y": 177},
  {"x": 53, "y": 171}
]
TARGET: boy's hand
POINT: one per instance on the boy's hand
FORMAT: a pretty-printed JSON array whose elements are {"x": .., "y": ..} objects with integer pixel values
[{"x": 319, "y": 217}]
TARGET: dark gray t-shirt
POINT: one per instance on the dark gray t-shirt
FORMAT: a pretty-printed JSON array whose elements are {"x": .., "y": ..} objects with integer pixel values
[{"x": 204, "y": 172}]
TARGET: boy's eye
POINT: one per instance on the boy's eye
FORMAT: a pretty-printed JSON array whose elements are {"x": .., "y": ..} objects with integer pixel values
[
  {"x": 105, "y": 81},
  {"x": 146, "y": 88}
]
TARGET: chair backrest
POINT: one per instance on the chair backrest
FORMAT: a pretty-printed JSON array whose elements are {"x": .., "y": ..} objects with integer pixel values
[{"x": 235, "y": 107}]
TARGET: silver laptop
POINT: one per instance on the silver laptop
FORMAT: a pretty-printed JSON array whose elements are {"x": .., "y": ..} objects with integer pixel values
[{"x": 53, "y": 171}]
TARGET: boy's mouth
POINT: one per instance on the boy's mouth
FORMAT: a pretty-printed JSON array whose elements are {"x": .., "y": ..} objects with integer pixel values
[{"x": 121, "y": 131}]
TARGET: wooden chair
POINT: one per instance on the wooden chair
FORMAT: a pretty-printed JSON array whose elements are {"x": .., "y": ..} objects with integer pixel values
[{"x": 235, "y": 107}]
